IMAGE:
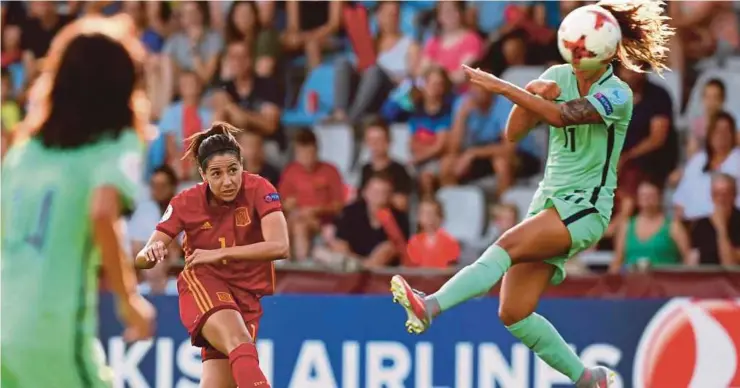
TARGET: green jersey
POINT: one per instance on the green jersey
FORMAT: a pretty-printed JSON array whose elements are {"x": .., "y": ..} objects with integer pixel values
[
  {"x": 584, "y": 158},
  {"x": 49, "y": 267}
]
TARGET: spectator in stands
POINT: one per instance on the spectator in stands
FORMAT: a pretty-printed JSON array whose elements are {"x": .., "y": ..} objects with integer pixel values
[
  {"x": 11, "y": 48},
  {"x": 371, "y": 231},
  {"x": 429, "y": 114},
  {"x": 312, "y": 192},
  {"x": 651, "y": 139},
  {"x": 692, "y": 199},
  {"x": 247, "y": 100},
  {"x": 717, "y": 237},
  {"x": 713, "y": 99},
  {"x": 453, "y": 44},
  {"x": 10, "y": 113},
  {"x": 377, "y": 141},
  {"x": 43, "y": 24},
  {"x": 312, "y": 26},
  {"x": 650, "y": 237},
  {"x": 502, "y": 217},
  {"x": 477, "y": 148},
  {"x": 153, "y": 40},
  {"x": 253, "y": 156},
  {"x": 396, "y": 58},
  {"x": 183, "y": 119},
  {"x": 432, "y": 246},
  {"x": 195, "y": 48},
  {"x": 243, "y": 25},
  {"x": 162, "y": 188}
]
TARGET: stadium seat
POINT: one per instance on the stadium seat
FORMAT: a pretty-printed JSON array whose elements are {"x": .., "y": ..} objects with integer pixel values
[
  {"x": 521, "y": 75},
  {"x": 336, "y": 146},
  {"x": 400, "y": 143},
  {"x": 321, "y": 82},
  {"x": 671, "y": 81},
  {"x": 465, "y": 212},
  {"x": 520, "y": 196},
  {"x": 732, "y": 86}
]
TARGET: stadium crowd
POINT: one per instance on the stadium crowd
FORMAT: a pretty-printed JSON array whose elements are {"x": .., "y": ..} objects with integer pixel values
[{"x": 383, "y": 155}]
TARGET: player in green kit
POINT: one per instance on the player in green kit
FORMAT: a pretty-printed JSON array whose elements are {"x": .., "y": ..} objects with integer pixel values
[
  {"x": 588, "y": 112},
  {"x": 65, "y": 185}
]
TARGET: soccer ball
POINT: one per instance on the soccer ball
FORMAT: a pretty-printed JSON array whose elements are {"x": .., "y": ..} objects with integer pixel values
[{"x": 588, "y": 37}]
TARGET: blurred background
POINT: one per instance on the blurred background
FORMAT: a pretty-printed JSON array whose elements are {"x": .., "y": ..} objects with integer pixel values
[{"x": 359, "y": 114}]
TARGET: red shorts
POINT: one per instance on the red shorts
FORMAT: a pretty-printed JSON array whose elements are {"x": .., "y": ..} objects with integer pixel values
[{"x": 202, "y": 293}]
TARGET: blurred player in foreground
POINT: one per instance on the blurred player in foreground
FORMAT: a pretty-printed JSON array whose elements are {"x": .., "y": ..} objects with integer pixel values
[
  {"x": 588, "y": 111},
  {"x": 65, "y": 185},
  {"x": 234, "y": 229}
]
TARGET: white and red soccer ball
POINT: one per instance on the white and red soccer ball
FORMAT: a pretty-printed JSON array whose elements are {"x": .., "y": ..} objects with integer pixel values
[{"x": 588, "y": 37}]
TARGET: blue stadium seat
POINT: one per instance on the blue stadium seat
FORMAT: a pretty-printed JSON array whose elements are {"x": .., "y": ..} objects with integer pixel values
[{"x": 321, "y": 81}]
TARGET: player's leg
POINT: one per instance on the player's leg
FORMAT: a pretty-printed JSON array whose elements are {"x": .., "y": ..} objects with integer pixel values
[
  {"x": 217, "y": 373},
  {"x": 535, "y": 239},
  {"x": 226, "y": 331}
]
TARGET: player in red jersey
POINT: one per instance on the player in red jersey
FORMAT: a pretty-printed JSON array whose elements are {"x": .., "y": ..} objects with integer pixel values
[{"x": 234, "y": 229}]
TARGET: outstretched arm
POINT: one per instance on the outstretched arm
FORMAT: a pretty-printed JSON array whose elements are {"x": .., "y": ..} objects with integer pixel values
[
  {"x": 521, "y": 120},
  {"x": 575, "y": 112}
]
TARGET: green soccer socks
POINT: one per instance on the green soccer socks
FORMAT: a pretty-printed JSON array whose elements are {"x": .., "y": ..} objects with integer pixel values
[
  {"x": 540, "y": 336},
  {"x": 474, "y": 280}
]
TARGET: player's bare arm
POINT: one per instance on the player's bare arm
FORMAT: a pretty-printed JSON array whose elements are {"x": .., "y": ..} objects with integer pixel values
[
  {"x": 580, "y": 111},
  {"x": 521, "y": 120},
  {"x": 551, "y": 112},
  {"x": 154, "y": 251}
]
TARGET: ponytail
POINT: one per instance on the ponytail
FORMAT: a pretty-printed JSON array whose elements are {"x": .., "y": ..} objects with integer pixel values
[
  {"x": 645, "y": 33},
  {"x": 220, "y": 138}
]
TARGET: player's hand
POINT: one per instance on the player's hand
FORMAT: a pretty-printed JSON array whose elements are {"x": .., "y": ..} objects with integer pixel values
[
  {"x": 549, "y": 90},
  {"x": 138, "y": 316},
  {"x": 153, "y": 254},
  {"x": 486, "y": 80},
  {"x": 204, "y": 256}
]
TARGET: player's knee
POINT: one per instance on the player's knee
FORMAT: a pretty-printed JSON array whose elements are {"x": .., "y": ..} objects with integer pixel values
[
  {"x": 233, "y": 340},
  {"x": 511, "y": 243},
  {"x": 511, "y": 314}
]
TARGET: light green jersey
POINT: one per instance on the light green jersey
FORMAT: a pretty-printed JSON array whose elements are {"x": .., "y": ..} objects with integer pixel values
[
  {"x": 584, "y": 158},
  {"x": 49, "y": 266}
]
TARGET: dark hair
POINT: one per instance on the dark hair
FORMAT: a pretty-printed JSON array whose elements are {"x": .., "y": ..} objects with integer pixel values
[
  {"x": 719, "y": 84},
  {"x": 231, "y": 32},
  {"x": 382, "y": 176},
  {"x": 217, "y": 140},
  {"x": 710, "y": 132},
  {"x": 305, "y": 137},
  {"x": 376, "y": 121},
  {"x": 168, "y": 172},
  {"x": 205, "y": 12},
  {"x": 4, "y": 73},
  {"x": 92, "y": 85},
  {"x": 645, "y": 33}
]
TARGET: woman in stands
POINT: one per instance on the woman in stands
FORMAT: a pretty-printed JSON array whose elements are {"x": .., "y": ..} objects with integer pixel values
[
  {"x": 573, "y": 204},
  {"x": 234, "y": 229}
]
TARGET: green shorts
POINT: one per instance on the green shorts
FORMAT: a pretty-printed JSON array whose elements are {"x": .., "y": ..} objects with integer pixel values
[
  {"x": 584, "y": 222},
  {"x": 54, "y": 366}
]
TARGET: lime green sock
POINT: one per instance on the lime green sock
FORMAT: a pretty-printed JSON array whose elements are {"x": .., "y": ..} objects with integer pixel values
[
  {"x": 475, "y": 279},
  {"x": 539, "y": 335}
]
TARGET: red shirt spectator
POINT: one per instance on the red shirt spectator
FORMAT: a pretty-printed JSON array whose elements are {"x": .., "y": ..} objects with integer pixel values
[{"x": 432, "y": 247}]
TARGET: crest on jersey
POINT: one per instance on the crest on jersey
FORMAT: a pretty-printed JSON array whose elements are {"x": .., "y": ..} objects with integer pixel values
[
  {"x": 241, "y": 216},
  {"x": 167, "y": 214},
  {"x": 617, "y": 96},
  {"x": 225, "y": 297}
]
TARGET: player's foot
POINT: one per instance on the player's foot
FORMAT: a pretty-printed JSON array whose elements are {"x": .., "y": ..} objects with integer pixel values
[
  {"x": 413, "y": 302},
  {"x": 596, "y": 377}
]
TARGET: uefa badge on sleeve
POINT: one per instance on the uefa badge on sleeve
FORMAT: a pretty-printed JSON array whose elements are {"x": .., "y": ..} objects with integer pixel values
[{"x": 272, "y": 197}]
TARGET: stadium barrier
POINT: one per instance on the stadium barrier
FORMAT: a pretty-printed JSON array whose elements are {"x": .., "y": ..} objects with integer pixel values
[{"x": 328, "y": 339}]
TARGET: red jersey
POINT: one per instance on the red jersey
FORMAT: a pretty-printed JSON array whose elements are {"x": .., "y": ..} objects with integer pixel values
[{"x": 237, "y": 223}]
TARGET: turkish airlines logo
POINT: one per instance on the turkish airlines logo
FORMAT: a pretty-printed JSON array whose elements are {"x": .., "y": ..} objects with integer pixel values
[{"x": 690, "y": 343}]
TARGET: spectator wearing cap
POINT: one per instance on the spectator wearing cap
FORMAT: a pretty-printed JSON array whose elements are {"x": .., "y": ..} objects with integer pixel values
[
  {"x": 246, "y": 99},
  {"x": 162, "y": 188},
  {"x": 716, "y": 238},
  {"x": 477, "y": 148},
  {"x": 312, "y": 191},
  {"x": 181, "y": 120},
  {"x": 377, "y": 142},
  {"x": 253, "y": 156},
  {"x": 369, "y": 231},
  {"x": 432, "y": 246},
  {"x": 692, "y": 199}
]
